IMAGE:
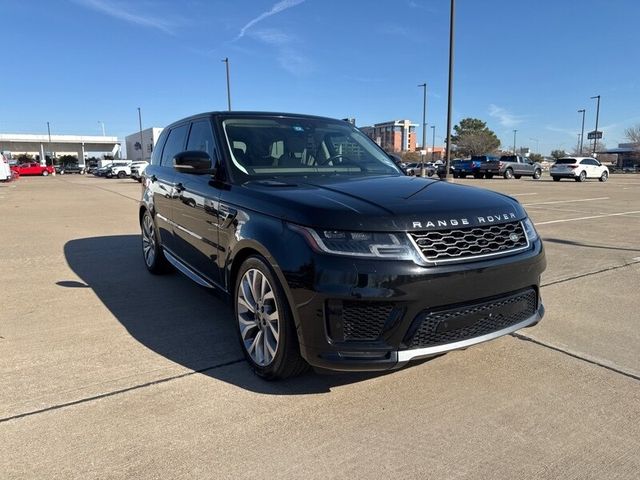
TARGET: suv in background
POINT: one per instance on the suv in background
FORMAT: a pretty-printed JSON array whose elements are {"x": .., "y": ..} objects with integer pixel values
[
  {"x": 578, "y": 169},
  {"x": 71, "y": 167},
  {"x": 328, "y": 253},
  {"x": 119, "y": 169},
  {"x": 137, "y": 169},
  {"x": 511, "y": 166}
]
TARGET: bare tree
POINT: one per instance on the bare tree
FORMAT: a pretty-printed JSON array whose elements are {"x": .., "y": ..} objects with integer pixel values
[{"x": 633, "y": 134}]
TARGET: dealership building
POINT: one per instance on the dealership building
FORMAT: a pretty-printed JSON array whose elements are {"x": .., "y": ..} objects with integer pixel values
[{"x": 140, "y": 145}]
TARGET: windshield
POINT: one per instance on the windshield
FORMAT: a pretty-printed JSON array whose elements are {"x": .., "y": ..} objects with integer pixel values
[
  {"x": 272, "y": 147},
  {"x": 566, "y": 161}
]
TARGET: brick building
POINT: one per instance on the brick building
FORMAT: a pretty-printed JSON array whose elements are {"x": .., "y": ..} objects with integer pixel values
[{"x": 393, "y": 136}]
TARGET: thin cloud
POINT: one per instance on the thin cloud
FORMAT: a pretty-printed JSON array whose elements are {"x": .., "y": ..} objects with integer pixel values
[
  {"x": 272, "y": 36},
  {"x": 506, "y": 118},
  {"x": 277, "y": 8},
  {"x": 122, "y": 12}
]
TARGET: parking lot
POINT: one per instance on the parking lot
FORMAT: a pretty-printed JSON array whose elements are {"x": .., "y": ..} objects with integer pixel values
[{"x": 109, "y": 372}]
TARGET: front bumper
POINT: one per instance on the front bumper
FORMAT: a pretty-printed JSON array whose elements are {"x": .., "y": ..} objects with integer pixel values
[{"x": 357, "y": 315}]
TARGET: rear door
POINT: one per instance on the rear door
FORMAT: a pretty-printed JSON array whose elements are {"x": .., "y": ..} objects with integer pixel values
[
  {"x": 162, "y": 182},
  {"x": 195, "y": 213}
]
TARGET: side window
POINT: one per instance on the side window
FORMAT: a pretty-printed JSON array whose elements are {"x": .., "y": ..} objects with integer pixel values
[
  {"x": 201, "y": 138},
  {"x": 175, "y": 144},
  {"x": 155, "y": 156}
]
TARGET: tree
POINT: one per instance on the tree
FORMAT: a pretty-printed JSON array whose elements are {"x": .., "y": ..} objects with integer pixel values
[
  {"x": 633, "y": 134},
  {"x": 473, "y": 137},
  {"x": 556, "y": 154},
  {"x": 536, "y": 157}
]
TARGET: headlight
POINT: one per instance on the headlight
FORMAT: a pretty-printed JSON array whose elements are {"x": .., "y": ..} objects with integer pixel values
[
  {"x": 530, "y": 230},
  {"x": 358, "y": 244}
]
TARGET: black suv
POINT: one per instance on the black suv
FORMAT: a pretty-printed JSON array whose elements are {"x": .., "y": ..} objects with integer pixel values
[{"x": 329, "y": 255}]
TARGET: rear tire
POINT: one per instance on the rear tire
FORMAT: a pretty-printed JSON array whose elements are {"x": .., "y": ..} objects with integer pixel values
[
  {"x": 152, "y": 253},
  {"x": 582, "y": 177},
  {"x": 45, "y": 173},
  {"x": 478, "y": 175},
  {"x": 508, "y": 174},
  {"x": 488, "y": 176},
  {"x": 604, "y": 177},
  {"x": 556, "y": 179},
  {"x": 517, "y": 177},
  {"x": 537, "y": 174},
  {"x": 266, "y": 329},
  {"x": 121, "y": 175},
  {"x": 463, "y": 175}
]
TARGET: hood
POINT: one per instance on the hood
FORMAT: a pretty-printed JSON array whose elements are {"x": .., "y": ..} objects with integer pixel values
[{"x": 389, "y": 203}]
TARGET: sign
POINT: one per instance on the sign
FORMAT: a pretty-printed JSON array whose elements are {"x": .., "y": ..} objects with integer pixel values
[{"x": 594, "y": 135}]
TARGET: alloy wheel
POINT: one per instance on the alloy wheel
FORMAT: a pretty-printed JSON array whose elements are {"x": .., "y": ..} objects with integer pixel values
[
  {"x": 258, "y": 317},
  {"x": 148, "y": 240}
]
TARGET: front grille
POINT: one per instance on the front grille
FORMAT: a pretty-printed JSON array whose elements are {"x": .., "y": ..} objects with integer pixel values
[
  {"x": 364, "y": 320},
  {"x": 471, "y": 321},
  {"x": 459, "y": 244}
]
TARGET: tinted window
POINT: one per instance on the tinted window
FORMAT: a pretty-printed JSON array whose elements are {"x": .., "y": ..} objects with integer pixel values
[
  {"x": 175, "y": 144},
  {"x": 588, "y": 161},
  {"x": 566, "y": 161},
  {"x": 155, "y": 156},
  {"x": 201, "y": 138}
]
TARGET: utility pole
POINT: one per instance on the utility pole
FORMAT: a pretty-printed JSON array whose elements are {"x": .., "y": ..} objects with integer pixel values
[
  {"x": 537, "y": 144},
  {"x": 582, "y": 131},
  {"x": 423, "y": 172},
  {"x": 141, "y": 143},
  {"x": 49, "y": 146},
  {"x": 433, "y": 142},
  {"x": 102, "y": 123},
  {"x": 514, "y": 141},
  {"x": 450, "y": 91},
  {"x": 226, "y": 62},
  {"x": 595, "y": 140}
]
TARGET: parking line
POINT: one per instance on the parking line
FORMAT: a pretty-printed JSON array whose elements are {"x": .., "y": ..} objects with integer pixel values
[
  {"x": 566, "y": 201},
  {"x": 587, "y": 218},
  {"x": 520, "y": 194}
]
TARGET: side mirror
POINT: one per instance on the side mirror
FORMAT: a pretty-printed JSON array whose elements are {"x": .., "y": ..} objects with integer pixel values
[{"x": 194, "y": 162}]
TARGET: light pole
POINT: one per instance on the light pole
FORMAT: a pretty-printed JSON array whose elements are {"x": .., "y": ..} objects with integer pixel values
[
  {"x": 49, "y": 146},
  {"x": 102, "y": 123},
  {"x": 595, "y": 139},
  {"x": 514, "y": 141},
  {"x": 433, "y": 142},
  {"x": 450, "y": 89},
  {"x": 423, "y": 173},
  {"x": 537, "y": 144},
  {"x": 226, "y": 62},
  {"x": 140, "y": 126},
  {"x": 582, "y": 131}
]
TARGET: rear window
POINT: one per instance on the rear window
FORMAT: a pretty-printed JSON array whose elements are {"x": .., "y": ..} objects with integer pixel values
[{"x": 566, "y": 161}]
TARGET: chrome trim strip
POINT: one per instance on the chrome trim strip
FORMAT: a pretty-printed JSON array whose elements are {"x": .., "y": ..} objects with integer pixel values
[
  {"x": 186, "y": 270},
  {"x": 472, "y": 257},
  {"x": 405, "y": 356}
]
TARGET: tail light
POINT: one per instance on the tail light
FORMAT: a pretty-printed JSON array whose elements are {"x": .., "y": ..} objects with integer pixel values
[
  {"x": 572, "y": 166},
  {"x": 500, "y": 164}
]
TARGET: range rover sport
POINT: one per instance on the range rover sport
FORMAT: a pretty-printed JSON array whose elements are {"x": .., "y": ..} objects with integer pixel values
[{"x": 329, "y": 254}]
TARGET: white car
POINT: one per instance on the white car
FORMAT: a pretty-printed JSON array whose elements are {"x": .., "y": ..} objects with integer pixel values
[
  {"x": 137, "y": 168},
  {"x": 119, "y": 169},
  {"x": 578, "y": 169}
]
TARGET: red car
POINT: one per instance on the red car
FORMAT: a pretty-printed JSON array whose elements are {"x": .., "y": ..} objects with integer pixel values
[{"x": 32, "y": 168}]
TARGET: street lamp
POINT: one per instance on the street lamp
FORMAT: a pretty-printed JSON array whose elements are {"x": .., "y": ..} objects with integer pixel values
[
  {"x": 424, "y": 128},
  {"x": 450, "y": 89},
  {"x": 433, "y": 141},
  {"x": 49, "y": 146},
  {"x": 537, "y": 144},
  {"x": 226, "y": 62},
  {"x": 514, "y": 141},
  {"x": 582, "y": 131},
  {"x": 140, "y": 126},
  {"x": 595, "y": 136},
  {"x": 102, "y": 123}
]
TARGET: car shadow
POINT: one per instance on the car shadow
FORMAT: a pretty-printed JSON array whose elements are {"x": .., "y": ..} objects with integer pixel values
[{"x": 178, "y": 320}]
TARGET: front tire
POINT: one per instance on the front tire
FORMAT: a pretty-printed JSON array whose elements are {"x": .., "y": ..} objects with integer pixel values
[
  {"x": 478, "y": 175},
  {"x": 604, "y": 177},
  {"x": 556, "y": 179},
  {"x": 265, "y": 325},
  {"x": 45, "y": 173},
  {"x": 537, "y": 174},
  {"x": 121, "y": 175},
  {"x": 488, "y": 176}
]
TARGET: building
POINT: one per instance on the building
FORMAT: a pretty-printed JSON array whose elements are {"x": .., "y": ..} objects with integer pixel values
[
  {"x": 393, "y": 136},
  {"x": 138, "y": 149},
  {"x": 628, "y": 155},
  {"x": 42, "y": 145}
]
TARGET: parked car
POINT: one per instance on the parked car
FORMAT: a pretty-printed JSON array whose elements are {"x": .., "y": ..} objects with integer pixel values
[
  {"x": 119, "y": 169},
  {"x": 32, "y": 168},
  {"x": 578, "y": 169},
  {"x": 470, "y": 166},
  {"x": 416, "y": 169},
  {"x": 453, "y": 167},
  {"x": 137, "y": 169},
  {"x": 102, "y": 171},
  {"x": 71, "y": 167},
  {"x": 328, "y": 253},
  {"x": 6, "y": 174},
  {"x": 511, "y": 166}
]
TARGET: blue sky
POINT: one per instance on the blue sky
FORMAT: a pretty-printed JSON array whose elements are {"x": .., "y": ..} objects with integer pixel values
[{"x": 519, "y": 65}]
